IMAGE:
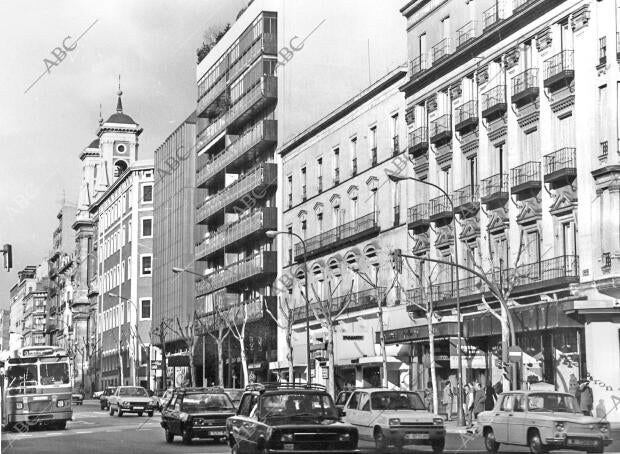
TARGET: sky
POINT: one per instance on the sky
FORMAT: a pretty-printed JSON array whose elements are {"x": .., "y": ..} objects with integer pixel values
[{"x": 44, "y": 125}]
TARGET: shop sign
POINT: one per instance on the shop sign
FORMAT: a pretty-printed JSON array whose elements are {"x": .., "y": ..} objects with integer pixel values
[{"x": 419, "y": 333}]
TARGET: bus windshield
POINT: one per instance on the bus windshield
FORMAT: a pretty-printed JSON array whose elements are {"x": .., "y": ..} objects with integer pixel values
[
  {"x": 22, "y": 375},
  {"x": 54, "y": 374}
]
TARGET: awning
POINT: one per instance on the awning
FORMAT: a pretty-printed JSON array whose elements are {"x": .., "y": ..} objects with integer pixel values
[
  {"x": 370, "y": 360},
  {"x": 533, "y": 317},
  {"x": 283, "y": 366},
  {"x": 419, "y": 333}
]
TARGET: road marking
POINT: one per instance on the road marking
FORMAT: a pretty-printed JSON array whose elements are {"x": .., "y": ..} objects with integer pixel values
[{"x": 84, "y": 432}]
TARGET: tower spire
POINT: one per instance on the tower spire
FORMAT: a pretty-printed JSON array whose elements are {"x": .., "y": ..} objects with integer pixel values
[
  {"x": 119, "y": 103},
  {"x": 100, "y": 116}
]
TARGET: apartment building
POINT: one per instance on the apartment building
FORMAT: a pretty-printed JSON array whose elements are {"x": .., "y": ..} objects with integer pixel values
[
  {"x": 5, "y": 325},
  {"x": 173, "y": 245},
  {"x": 29, "y": 283},
  {"x": 338, "y": 199},
  {"x": 496, "y": 94},
  {"x": 268, "y": 78},
  {"x": 34, "y": 314}
]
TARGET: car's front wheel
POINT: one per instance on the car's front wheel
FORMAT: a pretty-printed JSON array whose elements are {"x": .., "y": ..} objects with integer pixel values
[
  {"x": 111, "y": 411},
  {"x": 169, "y": 436},
  {"x": 438, "y": 446},
  {"x": 150, "y": 413},
  {"x": 187, "y": 436},
  {"x": 490, "y": 443},
  {"x": 535, "y": 443}
]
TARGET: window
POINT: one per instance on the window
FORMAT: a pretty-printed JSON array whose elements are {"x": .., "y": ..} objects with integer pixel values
[
  {"x": 395, "y": 138},
  {"x": 336, "y": 166},
  {"x": 289, "y": 188},
  {"x": 319, "y": 172},
  {"x": 290, "y": 244},
  {"x": 364, "y": 404},
  {"x": 373, "y": 144},
  {"x": 146, "y": 265},
  {"x": 353, "y": 401},
  {"x": 507, "y": 403},
  {"x": 569, "y": 238},
  {"x": 145, "y": 309},
  {"x": 147, "y": 227},
  {"x": 354, "y": 156},
  {"x": 147, "y": 193},
  {"x": 303, "y": 184}
]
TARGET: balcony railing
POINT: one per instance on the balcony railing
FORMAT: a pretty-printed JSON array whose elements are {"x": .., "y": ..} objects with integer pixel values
[
  {"x": 520, "y": 5},
  {"x": 466, "y": 200},
  {"x": 561, "y": 165},
  {"x": 227, "y": 237},
  {"x": 262, "y": 135},
  {"x": 347, "y": 233},
  {"x": 603, "y": 149},
  {"x": 252, "y": 268},
  {"x": 255, "y": 309},
  {"x": 440, "y": 209},
  {"x": 525, "y": 86},
  {"x": 418, "y": 141},
  {"x": 446, "y": 292},
  {"x": 494, "y": 102},
  {"x": 467, "y": 33},
  {"x": 255, "y": 181},
  {"x": 559, "y": 69},
  {"x": 441, "y": 129},
  {"x": 359, "y": 301},
  {"x": 417, "y": 65},
  {"x": 525, "y": 179},
  {"x": 494, "y": 190},
  {"x": 492, "y": 16},
  {"x": 215, "y": 100},
  {"x": 540, "y": 273},
  {"x": 442, "y": 49},
  {"x": 418, "y": 216},
  {"x": 466, "y": 116}
]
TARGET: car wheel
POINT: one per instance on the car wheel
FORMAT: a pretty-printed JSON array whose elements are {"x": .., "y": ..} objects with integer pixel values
[
  {"x": 438, "y": 446},
  {"x": 150, "y": 413},
  {"x": 535, "y": 443},
  {"x": 111, "y": 411},
  {"x": 380, "y": 441},
  {"x": 120, "y": 413},
  {"x": 60, "y": 425},
  {"x": 490, "y": 443},
  {"x": 140, "y": 413},
  {"x": 187, "y": 436},
  {"x": 169, "y": 436}
]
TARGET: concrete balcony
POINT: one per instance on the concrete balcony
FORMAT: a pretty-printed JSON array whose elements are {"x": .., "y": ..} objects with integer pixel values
[
  {"x": 525, "y": 87},
  {"x": 418, "y": 142},
  {"x": 357, "y": 301},
  {"x": 466, "y": 117},
  {"x": 559, "y": 70},
  {"x": 560, "y": 167},
  {"x": 255, "y": 307},
  {"x": 418, "y": 218},
  {"x": 257, "y": 268},
  {"x": 556, "y": 272},
  {"x": 339, "y": 237},
  {"x": 494, "y": 190},
  {"x": 525, "y": 180},
  {"x": 215, "y": 101},
  {"x": 440, "y": 130},
  {"x": 238, "y": 233},
  {"x": 440, "y": 210},
  {"x": 254, "y": 184},
  {"x": 466, "y": 200},
  {"x": 240, "y": 152},
  {"x": 494, "y": 102}
]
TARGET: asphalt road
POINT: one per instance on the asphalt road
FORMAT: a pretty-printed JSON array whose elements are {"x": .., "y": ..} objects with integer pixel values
[{"x": 95, "y": 432}]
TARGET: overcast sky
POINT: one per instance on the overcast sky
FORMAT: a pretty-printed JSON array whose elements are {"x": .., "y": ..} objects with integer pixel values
[{"x": 151, "y": 43}]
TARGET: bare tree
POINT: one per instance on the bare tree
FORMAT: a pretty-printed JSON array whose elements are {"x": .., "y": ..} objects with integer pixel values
[
  {"x": 236, "y": 317},
  {"x": 222, "y": 333},
  {"x": 286, "y": 324},
  {"x": 161, "y": 332},
  {"x": 189, "y": 334}
]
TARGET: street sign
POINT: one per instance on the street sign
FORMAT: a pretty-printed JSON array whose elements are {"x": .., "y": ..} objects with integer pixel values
[{"x": 515, "y": 354}]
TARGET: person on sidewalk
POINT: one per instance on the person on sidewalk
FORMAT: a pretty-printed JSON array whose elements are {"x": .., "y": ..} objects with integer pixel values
[
  {"x": 586, "y": 398},
  {"x": 448, "y": 396},
  {"x": 469, "y": 404},
  {"x": 479, "y": 400},
  {"x": 490, "y": 398}
]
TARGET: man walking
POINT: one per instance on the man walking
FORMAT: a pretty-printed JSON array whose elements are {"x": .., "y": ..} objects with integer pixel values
[
  {"x": 448, "y": 396},
  {"x": 586, "y": 398}
]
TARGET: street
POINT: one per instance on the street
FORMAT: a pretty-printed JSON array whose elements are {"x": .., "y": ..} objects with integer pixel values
[{"x": 93, "y": 431}]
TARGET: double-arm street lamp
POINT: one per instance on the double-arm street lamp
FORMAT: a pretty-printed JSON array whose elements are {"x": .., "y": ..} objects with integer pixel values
[{"x": 272, "y": 234}]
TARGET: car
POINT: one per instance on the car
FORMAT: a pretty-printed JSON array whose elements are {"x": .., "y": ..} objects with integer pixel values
[
  {"x": 543, "y": 421},
  {"x": 103, "y": 398},
  {"x": 342, "y": 398},
  {"x": 235, "y": 395},
  {"x": 197, "y": 413},
  {"x": 97, "y": 394},
  {"x": 393, "y": 419},
  {"x": 286, "y": 418},
  {"x": 131, "y": 399},
  {"x": 77, "y": 398}
]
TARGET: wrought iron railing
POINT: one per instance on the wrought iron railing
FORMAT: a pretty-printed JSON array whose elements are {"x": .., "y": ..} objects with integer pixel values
[
  {"x": 419, "y": 212},
  {"x": 418, "y": 65},
  {"x": 495, "y": 184},
  {"x": 494, "y": 97},
  {"x": 559, "y": 63},
  {"x": 442, "y": 49},
  {"x": 466, "y": 195},
  {"x": 525, "y": 80},
  {"x": 440, "y": 205},
  {"x": 467, "y": 32},
  {"x": 440, "y": 126},
  {"x": 466, "y": 111},
  {"x": 565, "y": 158},
  {"x": 525, "y": 173},
  {"x": 418, "y": 136},
  {"x": 357, "y": 301},
  {"x": 492, "y": 16}
]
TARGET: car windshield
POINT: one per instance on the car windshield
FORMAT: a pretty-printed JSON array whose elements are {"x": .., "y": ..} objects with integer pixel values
[
  {"x": 298, "y": 406},
  {"x": 552, "y": 402},
  {"x": 395, "y": 400},
  {"x": 137, "y": 392},
  {"x": 206, "y": 402},
  {"x": 22, "y": 375}
]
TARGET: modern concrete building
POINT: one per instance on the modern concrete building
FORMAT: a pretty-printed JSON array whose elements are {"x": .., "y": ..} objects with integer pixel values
[
  {"x": 496, "y": 94},
  {"x": 173, "y": 247},
  {"x": 275, "y": 72}
]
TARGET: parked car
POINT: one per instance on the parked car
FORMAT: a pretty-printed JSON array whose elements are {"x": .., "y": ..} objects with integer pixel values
[
  {"x": 103, "y": 399},
  {"x": 287, "y": 418},
  {"x": 542, "y": 420},
  {"x": 235, "y": 395},
  {"x": 97, "y": 394},
  {"x": 197, "y": 413},
  {"x": 131, "y": 399},
  {"x": 393, "y": 419},
  {"x": 77, "y": 398}
]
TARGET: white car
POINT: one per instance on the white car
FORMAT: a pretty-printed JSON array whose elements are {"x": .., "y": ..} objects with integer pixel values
[{"x": 97, "y": 394}]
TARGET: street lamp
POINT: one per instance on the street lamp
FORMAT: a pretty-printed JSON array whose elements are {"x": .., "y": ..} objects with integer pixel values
[
  {"x": 272, "y": 234},
  {"x": 134, "y": 343},
  {"x": 461, "y": 417},
  {"x": 178, "y": 270}
]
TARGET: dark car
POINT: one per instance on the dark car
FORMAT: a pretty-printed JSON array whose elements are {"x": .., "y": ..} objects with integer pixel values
[
  {"x": 103, "y": 399},
  {"x": 197, "y": 413},
  {"x": 287, "y": 418},
  {"x": 77, "y": 398}
]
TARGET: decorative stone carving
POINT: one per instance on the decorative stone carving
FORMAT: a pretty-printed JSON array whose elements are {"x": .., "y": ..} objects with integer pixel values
[
  {"x": 565, "y": 201},
  {"x": 544, "y": 39},
  {"x": 456, "y": 90},
  {"x": 530, "y": 212},
  {"x": 469, "y": 145},
  {"x": 482, "y": 75},
  {"x": 471, "y": 230},
  {"x": 410, "y": 115},
  {"x": 562, "y": 104},
  {"x": 497, "y": 131},
  {"x": 580, "y": 18},
  {"x": 422, "y": 243},
  {"x": 431, "y": 104},
  {"x": 529, "y": 121},
  {"x": 511, "y": 58},
  {"x": 445, "y": 237}
]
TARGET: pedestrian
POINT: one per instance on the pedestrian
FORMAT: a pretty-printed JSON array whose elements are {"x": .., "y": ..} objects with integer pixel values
[
  {"x": 586, "y": 398},
  {"x": 479, "y": 400},
  {"x": 428, "y": 396},
  {"x": 490, "y": 397},
  {"x": 469, "y": 404},
  {"x": 448, "y": 396}
]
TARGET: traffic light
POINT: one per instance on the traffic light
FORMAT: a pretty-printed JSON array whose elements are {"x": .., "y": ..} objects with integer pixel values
[{"x": 7, "y": 252}]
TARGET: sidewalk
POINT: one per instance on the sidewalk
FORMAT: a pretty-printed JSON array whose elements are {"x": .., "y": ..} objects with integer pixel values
[{"x": 453, "y": 428}]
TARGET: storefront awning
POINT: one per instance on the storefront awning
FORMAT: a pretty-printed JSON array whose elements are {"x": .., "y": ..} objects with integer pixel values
[{"x": 419, "y": 333}]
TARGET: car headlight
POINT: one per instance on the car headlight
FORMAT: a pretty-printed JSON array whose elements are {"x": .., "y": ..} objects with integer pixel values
[
  {"x": 394, "y": 422},
  {"x": 125, "y": 404},
  {"x": 287, "y": 438},
  {"x": 184, "y": 417},
  {"x": 344, "y": 437},
  {"x": 60, "y": 403},
  {"x": 438, "y": 421},
  {"x": 604, "y": 428},
  {"x": 19, "y": 405},
  {"x": 559, "y": 426}
]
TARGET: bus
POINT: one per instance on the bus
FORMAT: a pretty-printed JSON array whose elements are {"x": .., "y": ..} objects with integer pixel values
[{"x": 36, "y": 388}]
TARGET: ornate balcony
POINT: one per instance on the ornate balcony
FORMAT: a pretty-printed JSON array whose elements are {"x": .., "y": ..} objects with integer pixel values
[
  {"x": 440, "y": 210},
  {"x": 561, "y": 167},
  {"x": 525, "y": 180},
  {"x": 418, "y": 218},
  {"x": 559, "y": 70},
  {"x": 254, "y": 184},
  {"x": 417, "y": 65},
  {"x": 441, "y": 50},
  {"x": 238, "y": 232},
  {"x": 494, "y": 102},
  {"x": 414, "y": 301},
  {"x": 240, "y": 152},
  {"x": 492, "y": 17},
  {"x": 467, "y": 33},
  {"x": 339, "y": 237},
  {"x": 467, "y": 200},
  {"x": 466, "y": 117},
  {"x": 441, "y": 130},
  {"x": 418, "y": 142},
  {"x": 359, "y": 301},
  {"x": 525, "y": 87},
  {"x": 494, "y": 190},
  {"x": 555, "y": 272},
  {"x": 261, "y": 266},
  {"x": 468, "y": 289}
]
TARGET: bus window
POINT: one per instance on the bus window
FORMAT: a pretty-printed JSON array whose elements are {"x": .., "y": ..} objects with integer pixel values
[
  {"x": 22, "y": 375},
  {"x": 54, "y": 374}
]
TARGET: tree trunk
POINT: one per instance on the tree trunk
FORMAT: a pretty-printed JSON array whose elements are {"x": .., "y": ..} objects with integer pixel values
[
  {"x": 506, "y": 384},
  {"x": 120, "y": 361},
  {"x": 431, "y": 340},
  {"x": 244, "y": 362},
  {"x": 382, "y": 342},
  {"x": 330, "y": 353},
  {"x": 289, "y": 356},
  {"x": 220, "y": 360},
  {"x": 164, "y": 369},
  {"x": 192, "y": 369}
]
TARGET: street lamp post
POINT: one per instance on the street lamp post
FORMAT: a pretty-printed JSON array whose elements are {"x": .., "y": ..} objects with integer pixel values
[
  {"x": 134, "y": 345},
  {"x": 459, "y": 378},
  {"x": 272, "y": 234}
]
